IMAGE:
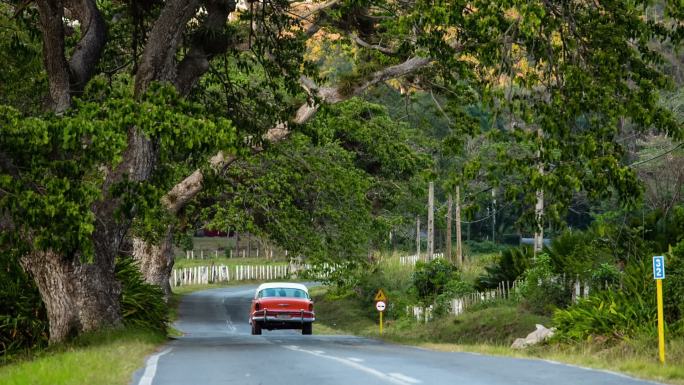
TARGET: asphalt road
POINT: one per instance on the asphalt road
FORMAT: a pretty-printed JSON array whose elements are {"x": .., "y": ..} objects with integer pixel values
[{"x": 218, "y": 349}]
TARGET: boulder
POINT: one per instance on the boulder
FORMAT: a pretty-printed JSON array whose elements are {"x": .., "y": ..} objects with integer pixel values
[{"x": 537, "y": 336}]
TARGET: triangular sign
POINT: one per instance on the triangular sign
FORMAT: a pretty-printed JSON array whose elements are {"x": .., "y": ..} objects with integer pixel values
[{"x": 380, "y": 295}]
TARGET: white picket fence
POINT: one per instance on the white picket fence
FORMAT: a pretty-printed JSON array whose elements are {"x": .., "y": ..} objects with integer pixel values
[
  {"x": 412, "y": 259},
  {"x": 505, "y": 290},
  {"x": 198, "y": 275}
]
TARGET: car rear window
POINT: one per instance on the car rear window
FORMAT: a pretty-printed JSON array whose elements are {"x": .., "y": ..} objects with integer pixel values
[{"x": 283, "y": 292}]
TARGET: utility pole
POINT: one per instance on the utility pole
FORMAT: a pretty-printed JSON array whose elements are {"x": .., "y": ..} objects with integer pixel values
[
  {"x": 431, "y": 221},
  {"x": 450, "y": 203},
  {"x": 459, "y": 246},
  {"x": 418, "y": 236}
]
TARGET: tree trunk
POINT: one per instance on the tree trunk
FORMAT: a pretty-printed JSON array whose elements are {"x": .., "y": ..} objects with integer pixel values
[
  {"x": 156, "y": 261},
  {"x": 78, "y": 297}
]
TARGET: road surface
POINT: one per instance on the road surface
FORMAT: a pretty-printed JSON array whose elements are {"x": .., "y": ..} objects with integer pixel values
[{"x": 218, "y": 349}]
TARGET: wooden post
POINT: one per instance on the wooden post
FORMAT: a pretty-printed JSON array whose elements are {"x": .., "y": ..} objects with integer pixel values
[
  {"x": 450, "y": 203},
  {"x": 237, "y": 241},
  {"x": 249, "y": 245},
  {"x": 493, "y": 214},
  {"x": 431, "y": 221},
  {"x": 417, "y": 236},
  {"x": 459, "y": 245}
]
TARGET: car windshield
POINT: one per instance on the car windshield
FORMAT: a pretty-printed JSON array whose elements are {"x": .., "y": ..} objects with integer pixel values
[{"x": 283, "y": 292}]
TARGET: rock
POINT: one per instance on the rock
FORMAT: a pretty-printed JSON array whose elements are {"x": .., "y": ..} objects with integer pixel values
[
  {"x": 537, "y": 336},
  {"x": 519, "y": 343}
]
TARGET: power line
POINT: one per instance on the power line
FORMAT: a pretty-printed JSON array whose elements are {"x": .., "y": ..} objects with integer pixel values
[{"x": 657, "y": 156}]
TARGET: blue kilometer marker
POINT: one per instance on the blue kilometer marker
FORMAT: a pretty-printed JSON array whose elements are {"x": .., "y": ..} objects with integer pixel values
[{"x": 659, "y": 267}]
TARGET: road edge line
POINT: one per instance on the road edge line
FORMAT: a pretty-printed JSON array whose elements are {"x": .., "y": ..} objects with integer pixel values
[{"x": 151, "y": 368}]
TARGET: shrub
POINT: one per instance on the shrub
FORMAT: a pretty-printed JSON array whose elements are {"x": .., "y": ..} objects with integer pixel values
[
  {"x": 142, "y": 304},
  {"x": 541, "y": 290},
  {"x": 430, "y": 279},
  {"x": 607, "y": 313},
  {"x": 613, "y": 313},
  {"x": 23, "y": 319},
  {"x": 453, "y": 289},
  {"x": 482, "y": 247},
  {"x": 673, "y": 285},
  {"x": 579, "y": 254},
  {"x": 509, "y": 266},
  {"x": 604, "y": 276}
]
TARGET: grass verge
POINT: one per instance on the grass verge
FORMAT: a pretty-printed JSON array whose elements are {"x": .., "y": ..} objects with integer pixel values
[
  {"x": 491, "y": 329},
  {"x": 104, "y": 358}
]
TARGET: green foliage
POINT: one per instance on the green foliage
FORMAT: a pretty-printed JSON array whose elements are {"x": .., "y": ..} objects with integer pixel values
[
  {"x": 541, "y": 290},
  {"x": 483, "y": 247},
  {"x": 617, "y": 314},
  {"x": 310, "y": 199},
  {"x": 577, "y": 254},
  {"x": 62, "y": 160},
  {"x": 605, "y": 276},
  {"x": 23, "y": 320},
  {"x": 23, "y": 83},
  {"x": 673, "y": 285},
  {"x": 608, "y": 313},
  {"x": 430, "y": 279},
  {"x": 142, "y": 304},
  {"x": 509, "y": 266},
  {"x": 453, "y": 289}
]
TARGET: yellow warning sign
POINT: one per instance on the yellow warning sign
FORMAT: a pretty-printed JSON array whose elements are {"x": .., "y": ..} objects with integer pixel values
[{"x": 380, "y": 296}]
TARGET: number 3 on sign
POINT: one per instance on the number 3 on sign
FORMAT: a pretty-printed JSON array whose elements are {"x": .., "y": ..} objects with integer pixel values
[{"x": 658, "y": 267}]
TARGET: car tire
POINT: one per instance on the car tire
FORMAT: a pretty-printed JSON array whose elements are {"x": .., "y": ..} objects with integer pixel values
[
  {"x": 307, "y": 329},
  {"x": 256, "y": 329}
]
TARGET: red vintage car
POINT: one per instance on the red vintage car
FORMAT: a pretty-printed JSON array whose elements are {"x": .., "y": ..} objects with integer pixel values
[{"x": 282, "y": 306}]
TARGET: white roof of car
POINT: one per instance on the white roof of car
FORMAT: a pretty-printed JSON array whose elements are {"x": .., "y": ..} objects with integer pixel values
[{"x": 284, "y": 285}]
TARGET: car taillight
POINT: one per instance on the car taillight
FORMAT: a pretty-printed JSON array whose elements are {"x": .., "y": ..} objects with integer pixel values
[
  {"x": 310, "y": 307},
  {"x": 257, "y": 307}
]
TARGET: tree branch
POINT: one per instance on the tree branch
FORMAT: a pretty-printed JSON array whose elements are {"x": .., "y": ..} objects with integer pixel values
[
  {"x": 86, "y": 55},
  {"x": 158, "y": 61},
  {"x": 204, "y": 48},
  {"x": 363, "y": 43},
  {"x": 51, "y": 14}
]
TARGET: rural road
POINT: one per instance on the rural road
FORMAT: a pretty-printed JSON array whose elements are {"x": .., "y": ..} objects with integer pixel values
[{"x": 218, "y": 349}]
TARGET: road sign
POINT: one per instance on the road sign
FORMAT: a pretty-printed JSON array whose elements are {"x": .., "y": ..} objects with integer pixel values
[
  {"x": 659, "y": 275},
  {"x": 658, "y": 267},
  {"x": 380, "y": 305},
  {"x": 380, "y": 296}
]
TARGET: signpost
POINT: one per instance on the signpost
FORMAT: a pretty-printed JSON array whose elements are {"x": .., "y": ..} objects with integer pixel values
[
  {"x": 380, "y": 304},
  {"x": 659, "y": 275}
]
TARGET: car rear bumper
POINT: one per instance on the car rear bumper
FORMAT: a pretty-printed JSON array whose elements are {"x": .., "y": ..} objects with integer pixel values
[{"x": 265, "y": 317}]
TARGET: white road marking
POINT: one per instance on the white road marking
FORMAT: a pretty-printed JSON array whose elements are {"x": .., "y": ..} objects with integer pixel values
[
  {"x": 354, "y": 359},
  {"x": 404, "y": 378},
  {"x": 151, "y": 368},
  {"x": 231, "y": 327},
  {"x": 357, "y": 366}
]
